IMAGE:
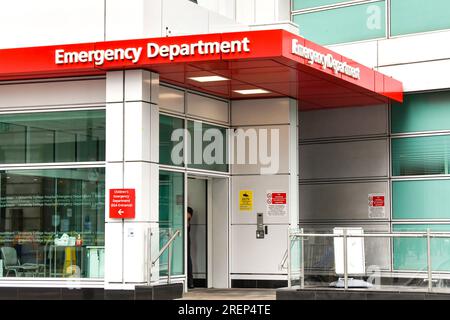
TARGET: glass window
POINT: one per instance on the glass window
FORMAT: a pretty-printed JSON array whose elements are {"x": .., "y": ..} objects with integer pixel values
[
  {"x": 167, "y": 125},
  {"x": 411, "y": 254},
  {"x": 421, "y": 156},
  {"x": 208, "y": 149},
  {"x": 413, "y": 16},
  {"x": 346, "y": 24},
  {"x": 305, "y": 4},
  {"x": 52, "y": 222},
  {"x": 422, "y": 112},
  {"x": 44, "y": 137},
  {"x": 171, "y": 217},
  {"x": 421, "y": 199}
]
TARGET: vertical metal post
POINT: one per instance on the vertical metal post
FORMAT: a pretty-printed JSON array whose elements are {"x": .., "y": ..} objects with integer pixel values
[
  {"x": 430, "y": 272},
  {"x": 345, "y": 260},
  {"x": 169, "y": 260},
  {"x": 289, "y": 258},
  {"x": 302, "y": 262},
  {"x": 149, "y": 256}
]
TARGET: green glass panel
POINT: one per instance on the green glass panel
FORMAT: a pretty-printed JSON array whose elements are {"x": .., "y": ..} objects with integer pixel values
[
  {"x": 346, "y": 24},
  {"x": 421, "y": 199},
  {"x": 167, "y": 125},
  {"x": 411, "y": 254},
  {"x": 305, "y": 4},
  {"x": 208, "y": 147},
  {"x": 40, "y": 208},
  {"x": 44, "y": 137},
  {"x": 171, "y": 217},
  {"x": 421, "y": 156},
  {"x": 414, "y": 16},
  {"x": 422, "y": 112}
]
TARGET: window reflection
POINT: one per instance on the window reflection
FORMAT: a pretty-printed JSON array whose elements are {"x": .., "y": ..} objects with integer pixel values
[{"x": 52, "y": 222}]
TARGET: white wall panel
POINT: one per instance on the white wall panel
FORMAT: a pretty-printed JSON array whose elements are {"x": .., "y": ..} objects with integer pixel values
[
  {"x": 113, "y": 252},
  {"x": 421, "y": 76},
  {"x": 415, "y": 48},
  {"x": 207, "y": 108},
  {"x": 135, "y": 249},
  {"x": 345, "y": 122},
  {"x": 251, "y": 255},
  {"x": 137, "y": 131},
  {"x": 260, "y": 112},
  {"x": 141, "y": 176},
  {"x": 260, "y": 185},
  {"x": 359, "y": 159},
  {"x": 27, "y": 23},
  {"x": 53, "y": 93},
  {"x": 245, "y": 11},
  {"x": 184, "y": 17},
  {"x": 265, "y": 11}
]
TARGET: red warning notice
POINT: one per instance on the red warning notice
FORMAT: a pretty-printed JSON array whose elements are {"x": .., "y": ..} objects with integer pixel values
[
  {"x": 377, "y": 201},
  {"x": 279, "y": 198},
  {"x": 122, "y": 203}
]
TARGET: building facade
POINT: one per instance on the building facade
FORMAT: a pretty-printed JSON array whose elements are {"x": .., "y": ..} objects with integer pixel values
[{"x": 67, "y": 141}]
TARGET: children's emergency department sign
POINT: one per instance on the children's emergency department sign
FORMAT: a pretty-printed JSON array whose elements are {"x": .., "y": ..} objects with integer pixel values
[
  {"x": 245, "y": 200},
  {"x": 122, "y": 203},
  {"x": 276, "y": 203}
]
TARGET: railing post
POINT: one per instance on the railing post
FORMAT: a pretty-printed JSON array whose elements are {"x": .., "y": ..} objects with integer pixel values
[
  {"x": 345, "y": 260},
  {"x": 302, "y": 262},
  {"x": 169, "y": 261},
  {"x": 429, "y": 267},
  {"x": 289, "y": 258},
  {"x": 149, "y": 256}
]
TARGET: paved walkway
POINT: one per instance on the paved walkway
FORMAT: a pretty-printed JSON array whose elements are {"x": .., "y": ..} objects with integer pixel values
[{"x": 229, "y": 294}]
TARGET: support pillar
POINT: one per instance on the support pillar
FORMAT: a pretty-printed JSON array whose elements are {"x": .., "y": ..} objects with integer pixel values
[{"x": 132, "y": 156}]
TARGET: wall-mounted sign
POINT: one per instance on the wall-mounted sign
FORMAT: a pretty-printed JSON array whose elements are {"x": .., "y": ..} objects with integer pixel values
[
  {"x": 276, "y": 203},
  {"x": 377, "y": 206},
  {"x": 122, "y": 203},
  {"x": 245, "y": 200},
  {"x": 325, "y": 60}
]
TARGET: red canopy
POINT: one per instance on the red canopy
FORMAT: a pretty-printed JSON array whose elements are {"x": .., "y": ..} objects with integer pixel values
[{"x": 281, "y": 63}]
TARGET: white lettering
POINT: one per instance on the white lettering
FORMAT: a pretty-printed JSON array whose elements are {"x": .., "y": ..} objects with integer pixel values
[
  {"x": 326, "y": 61},
  {"x": 133, "y": 54}
]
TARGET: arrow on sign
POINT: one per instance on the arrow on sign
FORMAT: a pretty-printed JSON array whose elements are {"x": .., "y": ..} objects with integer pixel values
[{"x": 120, "y": 212}]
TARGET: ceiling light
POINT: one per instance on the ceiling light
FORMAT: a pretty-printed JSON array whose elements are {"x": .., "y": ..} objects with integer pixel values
[
  {"x": 252, "y": 91},
  {"x": 209, "y": 79}
]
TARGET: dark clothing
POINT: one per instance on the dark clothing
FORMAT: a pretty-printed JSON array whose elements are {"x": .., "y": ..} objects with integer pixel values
[{"x": 189, "y": 259}]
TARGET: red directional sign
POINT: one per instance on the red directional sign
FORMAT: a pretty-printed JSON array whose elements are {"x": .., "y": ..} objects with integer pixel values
[{"x": 122, "y": 203}]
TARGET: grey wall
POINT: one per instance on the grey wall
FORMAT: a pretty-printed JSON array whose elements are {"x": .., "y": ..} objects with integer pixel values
[{"x": 344, "y": 157}]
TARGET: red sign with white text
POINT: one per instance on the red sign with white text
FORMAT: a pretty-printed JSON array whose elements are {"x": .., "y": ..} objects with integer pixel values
[
  {"x": 377, "y": 201},
  {"x": 122, "y": 203},
  {"x": 279, "y": 198}
]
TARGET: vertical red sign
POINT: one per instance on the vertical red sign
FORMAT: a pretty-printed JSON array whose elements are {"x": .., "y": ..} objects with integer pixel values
[{"x": 122, "y": 203}]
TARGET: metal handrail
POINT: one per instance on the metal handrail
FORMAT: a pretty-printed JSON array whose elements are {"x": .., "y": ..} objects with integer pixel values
[
  {"x": 428, "y": 235},
  {"x": 166, "y": 246}
]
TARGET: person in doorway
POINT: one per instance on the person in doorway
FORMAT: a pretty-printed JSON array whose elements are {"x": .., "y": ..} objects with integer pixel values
[{"x": 190, "y": 213}]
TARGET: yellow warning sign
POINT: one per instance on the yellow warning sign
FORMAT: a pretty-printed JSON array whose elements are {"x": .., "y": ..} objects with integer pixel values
[{"x": 246, "y": 200}]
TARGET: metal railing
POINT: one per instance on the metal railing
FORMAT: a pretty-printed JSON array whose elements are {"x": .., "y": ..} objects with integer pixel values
[
  {"x": 301, "y": 236},
  {"x": 168, "y": 247}
]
